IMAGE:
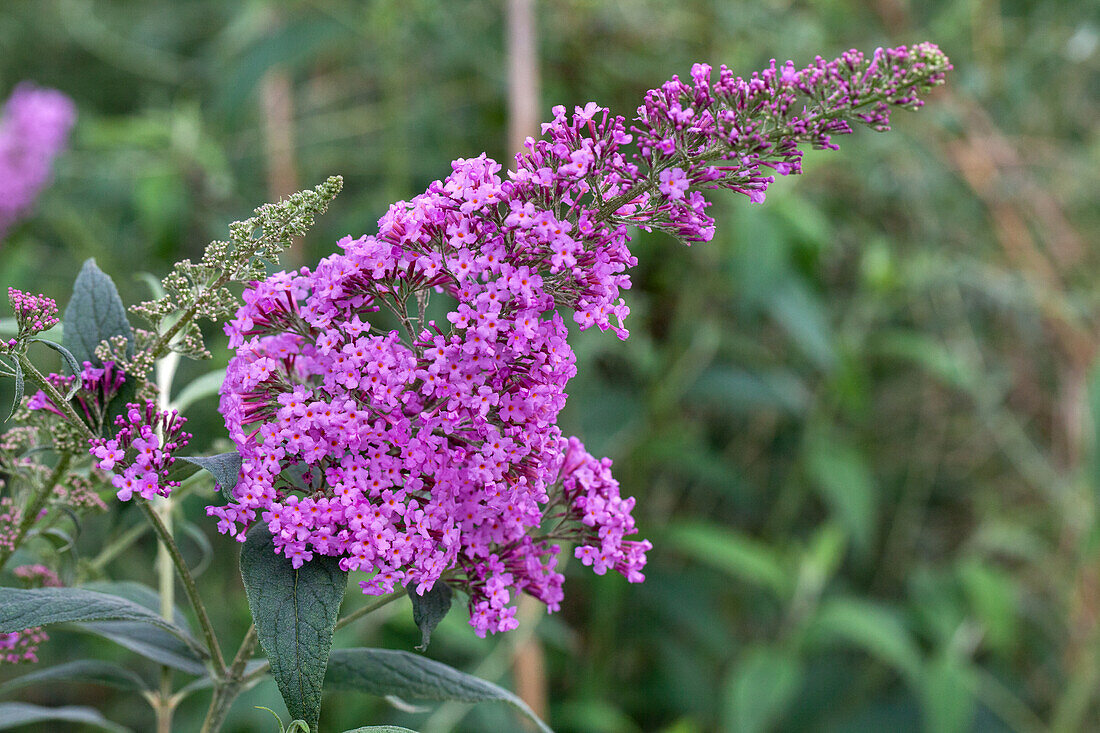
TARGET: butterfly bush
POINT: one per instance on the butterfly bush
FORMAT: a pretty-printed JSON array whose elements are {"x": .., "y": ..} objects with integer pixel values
[
  {"x": 430, "y": 453},
  {"x": 34, "y": 128}
]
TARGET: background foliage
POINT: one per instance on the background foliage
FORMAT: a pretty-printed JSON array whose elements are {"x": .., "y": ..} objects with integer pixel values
[{"x": 860, "y": 423}]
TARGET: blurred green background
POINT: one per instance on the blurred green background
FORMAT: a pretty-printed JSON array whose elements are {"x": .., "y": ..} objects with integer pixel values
[{"x": 860, "y": 423}]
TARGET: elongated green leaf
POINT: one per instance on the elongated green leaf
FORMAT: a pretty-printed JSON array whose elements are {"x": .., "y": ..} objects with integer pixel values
[
  {"x": 295, "y": 614},
  {"x": 840, "y": 474},
  {"x": 384, "y": 672},
  {"x": 85, "y": 670},
  {"x": 872, "y": 627},
  {"x": 947, "y": 700},
  {"x": 18, "y": 387},
  {"x": 760, "y": 688},
  {"x": 150, "y": 642},
  {"x": 208, "y": 385},
  {"x": 94, "y": 313},
  {"x": 225, "y": 467},
  {"x": 22, "y": 609},
  {"x": 429, "y": 609},
  {"x": 726, "y": 549},
  {"x": 70, "y": 361},
  {"x": 140, "y": 594},
  {"x": 15, "y": 714}
]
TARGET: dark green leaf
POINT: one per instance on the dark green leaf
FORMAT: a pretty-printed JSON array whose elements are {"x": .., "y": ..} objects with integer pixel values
[
  {"x": 206, "y": 550},
  {"x": 384, "y": 672},
  {"x": 226, "y": 468},
  {"x": 86, "y": 670},
  {"x": 14, "y": 714},
  {"x": 95, "y": 313},
  {"x": 150, "y": 642},
  {"x": 18, "y": 387},
  {"x": 429, "y": 609},
  {"x": 70, "y": 361},
  {"x": 295, "y": 613},
  {"x": 22, "y": 609}
]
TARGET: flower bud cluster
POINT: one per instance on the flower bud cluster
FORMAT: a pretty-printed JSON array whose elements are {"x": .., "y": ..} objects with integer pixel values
[
  {"x": 33, "y": 130},
  {"x": 33, "y": 314}
]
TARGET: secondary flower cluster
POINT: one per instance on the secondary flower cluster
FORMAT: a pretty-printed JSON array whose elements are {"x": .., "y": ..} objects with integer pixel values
[
  {"x": 33, "y": 314},
  {"x": 99, "y": 385},
  {"x": 22, "y": 646},
  {"x": 431, "y": 453},
  {"x": 140, "y": 453},
  {"x": 33, "y": 130}
]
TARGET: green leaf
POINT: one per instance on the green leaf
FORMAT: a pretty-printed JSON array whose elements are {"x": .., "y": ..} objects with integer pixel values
[
  {"x": 840, "y": 474},
  {"x": 95, "y": 313},
  {"x": 18, "y": 387},
  {"x": 760, "y": 688},
  {"x": 226, "y": 468},
  {"x": 802, "y": 315},
  {"x": 150, "y": 642},
  {"x": 70, "y": 361},
  {"x": 429, "y": 609},
  {"x": 14, "y": 714},
  {"x": 85, "y": 670},
  {"x": 380, "y": 729},
  {"x": 384, "y": 672},
  {"x": 947, "y": 702},
  {"x": 22, "y": 609},
  {"x": 295, "y": 614},
  {"x": 208, "y": 385},
  {"x": 876, "y": 629},
  {"x": 727, "y": 550}
]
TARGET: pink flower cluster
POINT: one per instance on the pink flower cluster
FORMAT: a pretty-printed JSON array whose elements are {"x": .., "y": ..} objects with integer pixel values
[
  {"x": 141, "y": 450},
  {"x": 22, "y": 646},
  {"x": 99, "y": 385},
  {"x": 37, "y": 576},
  {"x": 11, "y": 517},
  {"x": 431, "y": 453},
  {"x": 734, "y": 133},
  {"x": 33, "y": 130},
  {"x": 33, "y": 314}
]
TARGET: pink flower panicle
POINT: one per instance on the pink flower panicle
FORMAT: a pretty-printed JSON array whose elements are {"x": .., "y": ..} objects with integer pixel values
[
  {"x": 33, "y": 314},
  {"x": 141, "y": 451},
  {"x": 433, "y": 453},
  {"x": 34, "y": 128}
]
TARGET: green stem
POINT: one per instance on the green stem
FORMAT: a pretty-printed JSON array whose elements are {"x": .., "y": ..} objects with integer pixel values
[
  {"x": 226, "y": 692},
  {"x": 36, "y": 505},
  {"x": 372, "y": 606},
  {"x": 189, "y": 587},
  {"x": 56, "y": 397},
  {"x": 113, "y": 550}
]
